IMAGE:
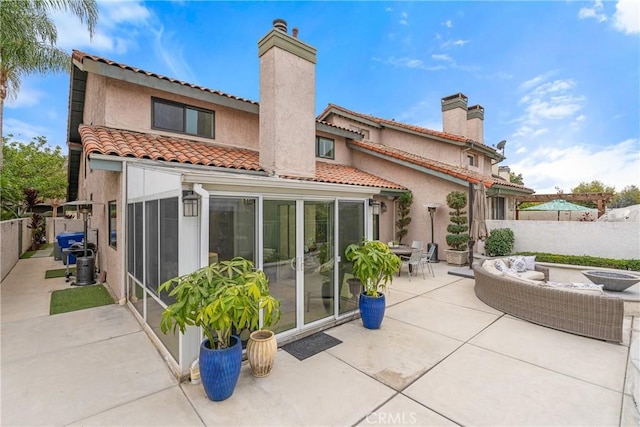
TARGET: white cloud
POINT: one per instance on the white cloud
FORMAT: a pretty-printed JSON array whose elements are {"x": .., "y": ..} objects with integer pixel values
[
  {"x": 627, "y": 16},
  {"x": 454, "y": 43},
  {"x": 448, "y": 23},
  {"x": 595, "y": 12},
  {"x": 546, "y": 167},
  {"x": 119, "y": 24},
  {"x": 171, "y": 53},
  {"x": 442, "y": 57},
  {"x": 547, "y": 100},
  {"x": 23, "y": 131},
  {"x": 28, "y": 96}
]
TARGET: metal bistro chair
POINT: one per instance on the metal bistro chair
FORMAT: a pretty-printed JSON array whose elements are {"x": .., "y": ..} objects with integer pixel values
[
  {"x": 417, "y": 244},
  {"x": 414, "y": 262},
  {"x": 426, "y": 259}
]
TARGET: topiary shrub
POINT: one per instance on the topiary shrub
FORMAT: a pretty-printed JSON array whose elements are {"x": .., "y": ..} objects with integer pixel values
[
  {"x": 500, "y": 242},
  {"x": 458, "y": 229}
]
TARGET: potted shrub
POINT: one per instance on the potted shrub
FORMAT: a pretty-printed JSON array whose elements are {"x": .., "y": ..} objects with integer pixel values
[
  {"x": 458, "y": 236},
  {"x": 374, "y": 266},
  {"x": 219, "y": 298}
]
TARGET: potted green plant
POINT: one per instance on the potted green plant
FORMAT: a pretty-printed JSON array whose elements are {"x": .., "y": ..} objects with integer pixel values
[
  {"x": 220, "y": 298},
  {"x": 458, "y": 236},
  {"x": 374, "y": 266}
]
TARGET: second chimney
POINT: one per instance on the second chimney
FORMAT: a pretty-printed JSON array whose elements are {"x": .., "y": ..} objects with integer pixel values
[{"x": 475, "y": 123}]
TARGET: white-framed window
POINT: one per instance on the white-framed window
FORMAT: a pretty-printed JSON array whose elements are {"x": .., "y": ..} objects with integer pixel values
[
  {"x": 472, "y": 160},
  {"x": 325, "y": 148}
]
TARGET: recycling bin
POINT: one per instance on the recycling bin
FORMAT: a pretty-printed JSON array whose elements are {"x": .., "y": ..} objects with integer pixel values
[{"x": 65, "y": 240}]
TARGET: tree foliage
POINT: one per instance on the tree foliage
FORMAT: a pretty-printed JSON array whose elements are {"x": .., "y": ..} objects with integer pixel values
[
  {"x": 516, "y": 179},
  {"x": 28, "y": 39},
  {"x": 629, "y": 195},
  {"x": 34, "y": 165},
  {"x": 594, "y": 186}
]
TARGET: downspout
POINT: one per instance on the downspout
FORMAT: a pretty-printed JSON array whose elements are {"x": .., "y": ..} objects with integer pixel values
[
  {"x": 123, "y": 225},
  {"x": 204, "y": 208}
]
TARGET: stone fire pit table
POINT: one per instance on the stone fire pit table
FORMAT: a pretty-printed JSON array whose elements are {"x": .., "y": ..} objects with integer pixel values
[{"x": 616, "y": 282}]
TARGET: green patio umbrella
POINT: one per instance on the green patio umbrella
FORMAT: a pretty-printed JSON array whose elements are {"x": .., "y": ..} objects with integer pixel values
[{"x": 557, "y": 205}]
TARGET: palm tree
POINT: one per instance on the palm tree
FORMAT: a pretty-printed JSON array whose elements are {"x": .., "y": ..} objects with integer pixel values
[{"x": 28, "y": 41}]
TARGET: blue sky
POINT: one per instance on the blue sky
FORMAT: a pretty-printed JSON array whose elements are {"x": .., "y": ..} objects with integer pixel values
[{"x": 559, "y": 80}]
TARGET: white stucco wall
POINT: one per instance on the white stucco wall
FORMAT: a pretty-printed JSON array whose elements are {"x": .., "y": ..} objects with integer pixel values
[
  {"x": 10, "y": 247},
  {"x": 600, "y": 239}
]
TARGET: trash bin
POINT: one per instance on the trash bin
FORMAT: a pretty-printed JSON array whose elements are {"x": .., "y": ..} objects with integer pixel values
[{"x": 65, "y": 240}]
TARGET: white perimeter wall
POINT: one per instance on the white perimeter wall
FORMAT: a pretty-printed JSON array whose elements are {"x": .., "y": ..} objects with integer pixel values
[
  {"x": 10, "y": 246},
  {"x": 620, "y": 240}
]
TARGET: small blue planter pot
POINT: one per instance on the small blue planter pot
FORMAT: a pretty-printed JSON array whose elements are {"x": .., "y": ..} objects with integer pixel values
[
  {"x": 220, "y": 369},
  {"x": 372, "y": 310}
]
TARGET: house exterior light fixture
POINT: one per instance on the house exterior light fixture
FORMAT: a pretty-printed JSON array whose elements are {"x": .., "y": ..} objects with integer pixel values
[
  {"x": 375, "y": 206},
  {"x": 190, "y": 204}
]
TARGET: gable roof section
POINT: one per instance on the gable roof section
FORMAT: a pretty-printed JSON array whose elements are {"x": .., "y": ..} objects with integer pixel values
[
  {"x": 392, "y": 124},
  {"x": 444, "y": 170},
  {"x": 137, "y": 145},
  {"x": 81, "y": 56}
]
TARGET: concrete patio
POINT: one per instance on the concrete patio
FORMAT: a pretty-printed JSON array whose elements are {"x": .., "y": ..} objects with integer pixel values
[{"x": 442, "y": 357}]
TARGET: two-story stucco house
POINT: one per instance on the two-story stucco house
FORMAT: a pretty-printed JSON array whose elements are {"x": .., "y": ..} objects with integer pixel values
[{"x": 271, "y": 182}]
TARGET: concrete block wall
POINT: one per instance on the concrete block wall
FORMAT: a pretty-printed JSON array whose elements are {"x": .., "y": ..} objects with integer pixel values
[{"x": 11, "y": 243}]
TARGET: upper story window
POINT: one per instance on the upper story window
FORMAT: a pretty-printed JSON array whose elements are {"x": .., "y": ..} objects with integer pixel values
[
  {"x": 471, "y": 160},
  {"x": 175, "y": 117},
  {"x": 325, "y": 148}
]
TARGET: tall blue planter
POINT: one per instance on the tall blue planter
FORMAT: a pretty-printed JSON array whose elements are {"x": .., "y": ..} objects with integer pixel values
[
  {"x": 220, "y": 369},
  {"x": 372, "y": 310}
]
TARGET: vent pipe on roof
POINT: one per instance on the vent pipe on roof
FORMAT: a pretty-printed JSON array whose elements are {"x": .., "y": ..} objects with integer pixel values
[{"x": 280, "y": 24}]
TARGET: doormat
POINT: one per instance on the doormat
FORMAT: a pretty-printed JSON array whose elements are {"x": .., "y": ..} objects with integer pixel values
[
  {"x": 73, "y": 299},
  {"x": 60, "y": 272},
  {"x": 308, "y": 346}
]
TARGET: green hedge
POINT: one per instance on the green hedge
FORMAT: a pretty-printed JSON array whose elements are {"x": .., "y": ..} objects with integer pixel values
[{"x": 587, "y": 261}]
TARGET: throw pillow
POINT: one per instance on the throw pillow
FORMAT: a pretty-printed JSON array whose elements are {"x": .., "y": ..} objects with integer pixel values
[
  {"x": 500, "y": 265},
  {"x": 531, "y": 262},
  {"x": 518, "y": 263}
]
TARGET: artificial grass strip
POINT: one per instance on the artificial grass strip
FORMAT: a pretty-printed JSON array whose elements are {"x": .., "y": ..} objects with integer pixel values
[
  {"x": 66, "y": 300},
  {"x": 59, "y": 272},
  {"x": 28, "y": 254}
]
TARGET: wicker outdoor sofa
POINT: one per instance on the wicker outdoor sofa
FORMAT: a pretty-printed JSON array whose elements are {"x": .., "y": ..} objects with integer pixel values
[{"x": 594, "y": 316}]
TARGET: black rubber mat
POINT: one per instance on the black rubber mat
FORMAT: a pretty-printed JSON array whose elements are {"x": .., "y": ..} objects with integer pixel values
[{"x": 308, "y": 346}]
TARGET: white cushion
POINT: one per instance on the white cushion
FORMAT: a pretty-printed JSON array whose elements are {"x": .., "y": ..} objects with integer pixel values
[
  {"x": 489, "y": 267},
  {"x": 518, "y": 277},
  {"x": 518, "y": 263},
  {"x": 582, "y": 288},
  {"x": 532, "y": 275},
  {"x": 500, "y": 265},
  {"x": 530, "y": 261}
]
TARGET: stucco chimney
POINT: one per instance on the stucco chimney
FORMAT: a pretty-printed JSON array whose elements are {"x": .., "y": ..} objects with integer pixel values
[
  {"x": 454, "y": 114},
  {"x": 475, "y": 123},
  {"x": 287, "y": 103}
]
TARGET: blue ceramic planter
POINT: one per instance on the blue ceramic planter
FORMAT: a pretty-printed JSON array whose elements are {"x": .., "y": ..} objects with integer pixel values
[
  {"x": 372, "y": 310},
  {"x": 220, "y": 369}
]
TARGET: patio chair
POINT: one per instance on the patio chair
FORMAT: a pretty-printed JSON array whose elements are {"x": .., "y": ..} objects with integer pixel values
[
  {"x": 417, "y": 244},
  {"x": 413, "y": 263},
  {"x": 427, "y": 258}
]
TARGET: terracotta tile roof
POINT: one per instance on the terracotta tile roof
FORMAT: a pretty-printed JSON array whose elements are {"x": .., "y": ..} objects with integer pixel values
[
  {"x": 102, "y": 140},
  {"x": 123, "y": 143},
  {"x": 341, "y": 174},
  {"x": 385, "y": 122},
  {"x": 80, "y": 56},
  {"x": 451, "y": 170}
]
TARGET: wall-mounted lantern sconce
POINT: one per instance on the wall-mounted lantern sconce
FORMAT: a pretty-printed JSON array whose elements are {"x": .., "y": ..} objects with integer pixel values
[
  {"x": 190, "y": 204},
  {"x": 375, "y": 206},
  {"x": 383, "y": 207}
]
